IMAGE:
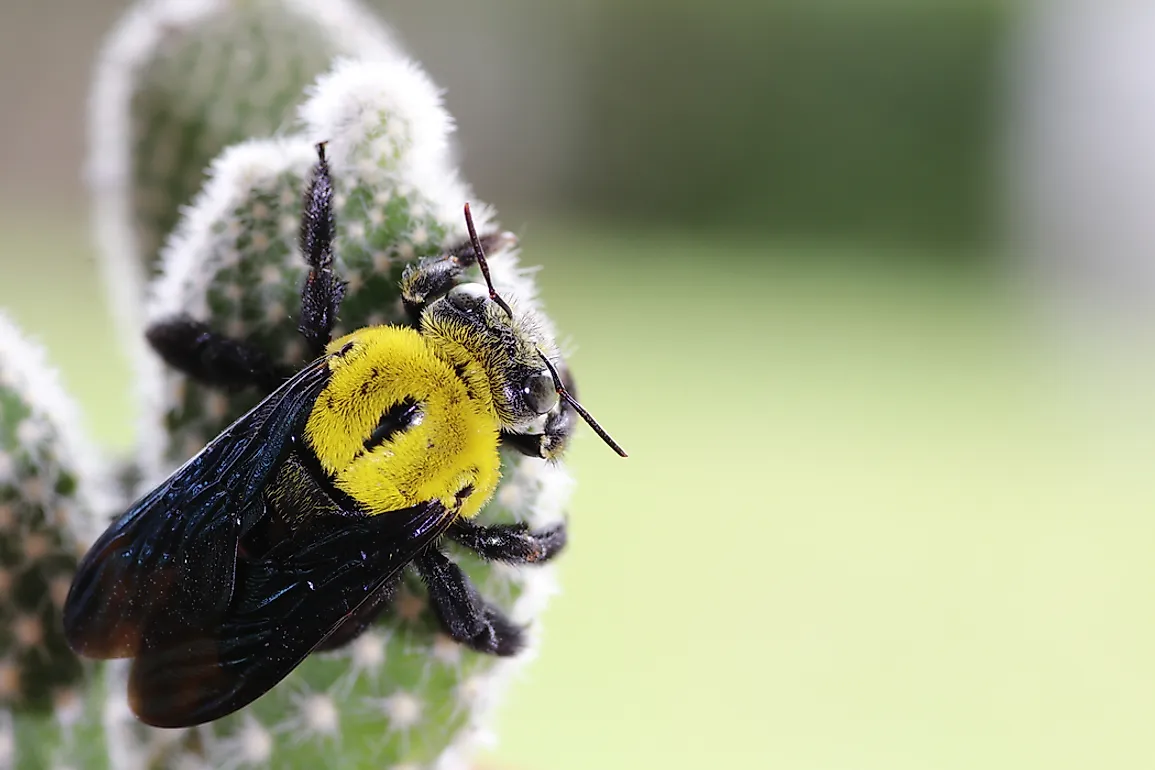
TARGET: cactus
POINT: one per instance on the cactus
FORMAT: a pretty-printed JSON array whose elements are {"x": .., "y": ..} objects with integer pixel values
[
  {"x": 178, "y": 81},
  {"x": 402, "y": 694},
  {"x": 51, "y": 493}
]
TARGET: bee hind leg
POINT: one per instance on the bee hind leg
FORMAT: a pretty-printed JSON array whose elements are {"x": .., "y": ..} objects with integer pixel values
[
  {"x": 363, "y": 617},
  {"x": 464, "y": 615},
  {"x": 215, "y": 359}
]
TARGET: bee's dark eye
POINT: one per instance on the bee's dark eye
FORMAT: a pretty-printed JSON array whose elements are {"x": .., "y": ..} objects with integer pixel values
[
  {"x": 469, "y": 297},
  {"x": 539, "y": 392}
]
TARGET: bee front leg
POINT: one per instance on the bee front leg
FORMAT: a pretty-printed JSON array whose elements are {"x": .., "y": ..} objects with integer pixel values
[
  {"x": 463, "y": 614},
  {"x": 555, "y": 435},
  {"x": 550, "y": 443},
  {"x": 433, "y": 277},
  {"x": 215, "y": 359}
]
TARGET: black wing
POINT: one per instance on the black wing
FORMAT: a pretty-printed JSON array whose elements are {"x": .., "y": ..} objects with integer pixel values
[
  {"x": 287, "y": 603},
  {"x": 168, "y": 563}
]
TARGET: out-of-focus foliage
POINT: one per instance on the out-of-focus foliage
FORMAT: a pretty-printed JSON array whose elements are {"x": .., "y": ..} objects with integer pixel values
[{"x": 836, "y": 120}]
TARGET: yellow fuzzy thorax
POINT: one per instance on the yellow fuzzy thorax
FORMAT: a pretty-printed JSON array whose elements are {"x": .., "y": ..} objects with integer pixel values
[
  {"x": 483, "y": 363},
  {"x": 452, "y": 447}
]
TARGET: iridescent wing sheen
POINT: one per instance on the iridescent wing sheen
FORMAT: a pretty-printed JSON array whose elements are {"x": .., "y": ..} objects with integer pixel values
[
  {"x": 287, "y": 603},
  {"x": 168, "y": 564}
]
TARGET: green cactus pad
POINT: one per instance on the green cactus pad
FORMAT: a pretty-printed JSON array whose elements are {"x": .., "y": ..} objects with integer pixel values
[
  {"x": 401, "y": 695},
  {"x": 51, "y": 491},
  {"x": 180, "y": 80}
]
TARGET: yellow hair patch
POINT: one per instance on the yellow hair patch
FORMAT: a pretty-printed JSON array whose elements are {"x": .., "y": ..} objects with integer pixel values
[{"x": 448, "y": 449}]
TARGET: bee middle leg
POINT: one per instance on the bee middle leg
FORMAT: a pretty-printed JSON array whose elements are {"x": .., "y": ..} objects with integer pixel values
[
  {"x": 323, "y": 290},
  {"x": 215, "y": 359},
  {"x": 463, "y": 614},
  {"x": 510, "y": 543}
]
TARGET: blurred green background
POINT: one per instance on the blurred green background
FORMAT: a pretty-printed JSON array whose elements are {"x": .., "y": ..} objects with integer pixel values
[{"x": 873, "y": 516}]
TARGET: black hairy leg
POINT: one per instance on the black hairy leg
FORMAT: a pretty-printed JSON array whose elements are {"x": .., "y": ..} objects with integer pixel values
[
  {"x": 551, "y": 442},
  {"x": 510, "y": 543},
  {"x": 208, "y": 356},
  {"x": 463, "y": 614},
  {"x": 323, "y": 291},
  {"x": 461, "y": 611},
  {"x": 212, "y": 358},
  {"x": 363, "y": 617},
  {"x": 555, "y": 435},
  {"x": 433, "y": 277}
]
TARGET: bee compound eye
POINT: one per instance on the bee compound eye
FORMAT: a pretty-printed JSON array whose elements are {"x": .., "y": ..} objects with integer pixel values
[
  {"x": 468, "y": 297},
  {"x": 539, "y": 392}
]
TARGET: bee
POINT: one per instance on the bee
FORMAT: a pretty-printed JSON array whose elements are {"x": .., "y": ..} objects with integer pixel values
[{"x": 288, "y": 533}]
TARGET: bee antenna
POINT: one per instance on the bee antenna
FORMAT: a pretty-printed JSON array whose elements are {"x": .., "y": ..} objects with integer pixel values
[
  {"x": 480, "y": 254},
  {"x": 569, "y": 399}
]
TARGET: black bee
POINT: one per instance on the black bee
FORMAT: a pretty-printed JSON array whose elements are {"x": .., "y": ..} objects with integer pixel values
[{"x": 288, "y": 532}]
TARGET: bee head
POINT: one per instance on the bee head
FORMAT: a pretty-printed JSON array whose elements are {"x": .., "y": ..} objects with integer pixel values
[
  {"x": 504, "y": 345},
  {"x": 486, "y": 338}
]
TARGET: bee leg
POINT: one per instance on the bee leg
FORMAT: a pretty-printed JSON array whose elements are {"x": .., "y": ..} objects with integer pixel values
[
  {"x": 212, "y": 358},
  {"x": 548, "y": 444},
  {"x": 559, "y": 426},
  {"x": 362, "y": 617},
  {"x": 463, "y": 614},
  {"x": 433, "y": 277},
  {"x": 510, "y": 543},
  {"x": 323, "y": 291}
]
